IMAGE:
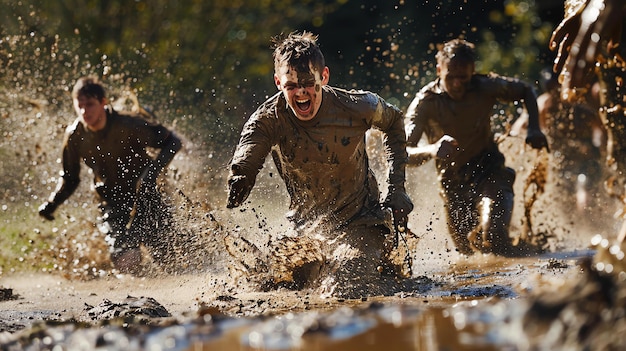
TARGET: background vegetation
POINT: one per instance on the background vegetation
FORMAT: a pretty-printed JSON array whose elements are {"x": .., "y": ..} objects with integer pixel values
[{"x": 208, "y": 63}]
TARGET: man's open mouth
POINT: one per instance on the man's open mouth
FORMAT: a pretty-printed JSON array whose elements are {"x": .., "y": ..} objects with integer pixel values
[{"x": 303, "y": 105}]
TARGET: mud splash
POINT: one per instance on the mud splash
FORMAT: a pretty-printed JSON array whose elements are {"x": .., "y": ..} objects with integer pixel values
[
  {"x": 76, "y": 301},
  {"x": 482, "y": 303}
]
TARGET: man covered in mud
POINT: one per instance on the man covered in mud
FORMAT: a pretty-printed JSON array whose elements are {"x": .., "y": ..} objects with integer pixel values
[
  {"x": 317, "y": 135},
  {"x": 115, "y": 146},
  {"x": 589, "y": 48},
  {"x": 453, "y": 112}
]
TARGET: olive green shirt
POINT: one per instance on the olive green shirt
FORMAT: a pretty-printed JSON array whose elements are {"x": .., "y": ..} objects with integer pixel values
[
  {"x": 468, "y": 120},
  {"x": 323, "y": 161},
  {"x": 117, "y": 155}
]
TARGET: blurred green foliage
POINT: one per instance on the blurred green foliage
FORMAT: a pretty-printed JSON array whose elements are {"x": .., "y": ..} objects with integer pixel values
[
  {"x": 184, "y": 58},
  {"x": 207, "y": 64}
]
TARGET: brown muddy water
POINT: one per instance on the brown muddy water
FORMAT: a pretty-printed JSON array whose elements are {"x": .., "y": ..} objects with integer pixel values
[
  {"x": 569, "y": 298},
  {"x": 479, "y": 303},
  {"x": 475, "y": 304}
]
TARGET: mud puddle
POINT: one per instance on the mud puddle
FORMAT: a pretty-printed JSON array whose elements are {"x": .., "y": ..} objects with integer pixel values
[{"x": 474, "y": 304}]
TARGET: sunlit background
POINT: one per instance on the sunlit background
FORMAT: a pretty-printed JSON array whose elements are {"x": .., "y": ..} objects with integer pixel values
[{"x": 203, "y": 67}]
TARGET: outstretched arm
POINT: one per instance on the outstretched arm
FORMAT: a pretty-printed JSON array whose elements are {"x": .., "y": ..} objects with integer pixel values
[
  {"x": 418, "y": 154},
  {"x": 395, "y": 144},
  {"x": 443, "y": 148},
  {"x": 171, "y": 145},
  {"x": 534, "y": 136},
  {"x": 254, "y": 146},
  {"x": 67, "y": 182}
]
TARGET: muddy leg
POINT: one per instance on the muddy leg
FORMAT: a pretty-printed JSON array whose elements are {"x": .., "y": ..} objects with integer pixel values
[
  {"x": 460, "y": 218},
  {"x": 153, "y": 226},
  {"x": 354, "y": 265},
  {"x": 495, "y": 209},
  {"x": 496, "y": 218},
  {"x": 479, "y": 238},
  {"x": 123, "y": 247}
]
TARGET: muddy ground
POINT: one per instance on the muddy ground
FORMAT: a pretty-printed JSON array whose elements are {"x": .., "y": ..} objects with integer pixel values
[
  {"x": 473, "y": 282},
  {"x": 485, "y": 280},
  {"x": 57, "y": 298}
]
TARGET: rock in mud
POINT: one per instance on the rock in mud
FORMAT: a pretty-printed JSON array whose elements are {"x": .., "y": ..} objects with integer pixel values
[
  {"x": 6, "y": 294},
  {"x": 136, "y": 308}
]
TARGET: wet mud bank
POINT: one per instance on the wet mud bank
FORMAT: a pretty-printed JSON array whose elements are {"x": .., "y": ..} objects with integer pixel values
[{"x": 477, "y": 303}]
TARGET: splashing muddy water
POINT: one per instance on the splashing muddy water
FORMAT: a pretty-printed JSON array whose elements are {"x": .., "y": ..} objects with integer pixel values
[
  {"x": 451, "y": 302},
  {"x": 64, "y": 290}
]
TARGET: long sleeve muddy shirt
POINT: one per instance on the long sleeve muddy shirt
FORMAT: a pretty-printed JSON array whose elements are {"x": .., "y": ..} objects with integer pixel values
[
  {"x": 323, "y": 161},
  {"x": 117, "y": 155},
  {"x": 468, "y": 120}
]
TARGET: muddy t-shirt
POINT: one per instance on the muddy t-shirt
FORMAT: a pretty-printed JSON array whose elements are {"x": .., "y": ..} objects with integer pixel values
[
  {"x": 468, "y": 120},
  {"x": 117, "y": 155},
  {"x": 323, "y": 161}
]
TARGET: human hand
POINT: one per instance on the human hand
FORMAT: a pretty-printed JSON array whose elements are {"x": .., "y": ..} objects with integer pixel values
[
  {"x": 580, "y": 38},
  {"x": 536, "y": 139},
  {"x": 446, "y": 146},
  {"x": 400, "y": 204},
  {"x": 562, "y": 38},
  {"x": 46, "y": 210},
  {"x": 239, "y": 187}
]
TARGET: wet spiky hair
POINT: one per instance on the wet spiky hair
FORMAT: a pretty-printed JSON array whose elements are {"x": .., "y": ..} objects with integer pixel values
[
  {"x": 90, "y": 87},
  {"x": 297, "y": 50},
  {"x": 458, "y": 49}
]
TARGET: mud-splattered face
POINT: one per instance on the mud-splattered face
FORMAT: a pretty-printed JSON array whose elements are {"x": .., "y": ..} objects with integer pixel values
[
  {"x": 302, "y": 90},
  {"x": 92, "y": 111},
  {"x": 455, "y": 77}
]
